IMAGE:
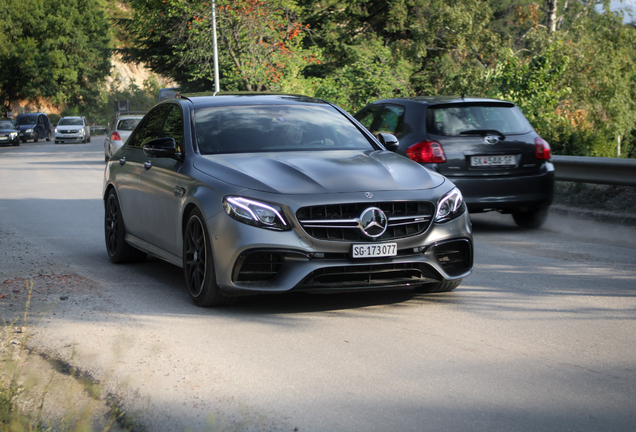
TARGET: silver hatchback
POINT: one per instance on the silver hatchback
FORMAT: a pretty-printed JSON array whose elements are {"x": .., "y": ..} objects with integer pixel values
[{"x": 72, "y": 129}]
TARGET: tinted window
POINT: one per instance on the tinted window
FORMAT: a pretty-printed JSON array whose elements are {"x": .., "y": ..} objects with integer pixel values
[
  {"x": 70, "y": 122},
  {"x": 27, "y": 120},
  {"x": 366, "y": 117},
  {"x": 452, "y": 120},
  {"x": 152, "y": 127},
  {"x": 264, "y": 128},
  {"x": 173, "y": 127},
  {"x": 391, "y": 119},
  {"x": 127, "y": 124}
]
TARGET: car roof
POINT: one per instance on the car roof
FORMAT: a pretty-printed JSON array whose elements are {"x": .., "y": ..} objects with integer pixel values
[
  {"x": 203, "y": 100},
  {"x": 437, "y": 100},
  {"x": 72, "y": 117},
  {"x": 29, "y": 114}
]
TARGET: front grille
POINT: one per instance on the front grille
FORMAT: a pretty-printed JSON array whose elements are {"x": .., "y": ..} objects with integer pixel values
[
  {"x": 369, "y": 277},
  {"x": 455, "y": 257},
  {"x": 340, "y": 221},
  {"x": 258, "y": 266}
]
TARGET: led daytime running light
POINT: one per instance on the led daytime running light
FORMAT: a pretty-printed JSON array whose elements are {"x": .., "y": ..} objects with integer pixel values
[{"x": 245, "y": 203}]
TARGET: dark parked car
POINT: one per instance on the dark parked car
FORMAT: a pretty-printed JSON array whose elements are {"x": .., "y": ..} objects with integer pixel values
[
  {"x": 486, "y": 147},
  {"x": 273, "y": 193},
  {"x": 34, "y": 126},
  {"x": 8, "y": 133}
]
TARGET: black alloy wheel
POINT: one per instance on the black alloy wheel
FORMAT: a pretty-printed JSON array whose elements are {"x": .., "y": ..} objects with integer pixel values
[
  {"x": 198, "y": 265},
  {"x": 118, "y": 250}
]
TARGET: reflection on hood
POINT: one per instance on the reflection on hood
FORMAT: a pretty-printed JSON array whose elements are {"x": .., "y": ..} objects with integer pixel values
[{"x": 319, "y": 172}]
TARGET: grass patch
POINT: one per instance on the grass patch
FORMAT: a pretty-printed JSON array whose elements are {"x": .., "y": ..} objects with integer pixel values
[{"x": 43, "y": 394}]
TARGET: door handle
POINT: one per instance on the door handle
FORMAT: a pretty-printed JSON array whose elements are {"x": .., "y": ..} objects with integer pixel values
[
  {"x": 122, "y": 161},
  {"x": 147, "y": 165}
]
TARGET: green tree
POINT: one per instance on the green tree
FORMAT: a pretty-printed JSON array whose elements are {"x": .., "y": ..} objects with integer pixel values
[
  {"x": 260, "y": 43},
  {"x": 54, "y": 49}
]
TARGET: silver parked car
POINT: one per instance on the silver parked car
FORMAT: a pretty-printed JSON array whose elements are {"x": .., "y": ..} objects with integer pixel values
[
  {"x": 270, "y": 193},
  {"x": 122, "y": 128},
  {"x": 72, "y": 129}
]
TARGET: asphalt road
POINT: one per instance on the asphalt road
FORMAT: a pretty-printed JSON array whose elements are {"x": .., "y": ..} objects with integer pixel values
[{"x": 542, "y": 335}]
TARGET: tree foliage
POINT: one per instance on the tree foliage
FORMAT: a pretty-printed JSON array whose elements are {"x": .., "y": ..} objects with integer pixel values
[{"x": 54, "y": 49}]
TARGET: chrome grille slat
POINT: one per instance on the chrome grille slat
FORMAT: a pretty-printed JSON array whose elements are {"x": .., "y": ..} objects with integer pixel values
[{"x": 340, "y": 221}]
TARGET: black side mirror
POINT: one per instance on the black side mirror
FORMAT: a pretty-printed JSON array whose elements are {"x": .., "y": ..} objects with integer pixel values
[
  {"x": 161, "y": 147},
  {"x": 389, "y": 141}
]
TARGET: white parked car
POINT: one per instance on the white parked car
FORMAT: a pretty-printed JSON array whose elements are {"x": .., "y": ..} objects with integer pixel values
[
  {"x": 72, "y": 129},
  {"x": 123, "y": 127}
]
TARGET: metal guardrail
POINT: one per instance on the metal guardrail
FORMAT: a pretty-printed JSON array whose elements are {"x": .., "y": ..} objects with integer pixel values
[
  {"x": 99, "y": 129},
  {"x": 601, "y": 170}
]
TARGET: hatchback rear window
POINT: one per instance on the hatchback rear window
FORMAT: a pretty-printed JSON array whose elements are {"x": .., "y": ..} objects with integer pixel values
[
  {"x": 464, "y": 119},
  {"x": 127, "y": 124}
]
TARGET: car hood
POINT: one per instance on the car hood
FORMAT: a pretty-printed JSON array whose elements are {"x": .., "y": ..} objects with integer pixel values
[
  {"x": 7, "y": 130},
  {"x": 319, "y": 172}
]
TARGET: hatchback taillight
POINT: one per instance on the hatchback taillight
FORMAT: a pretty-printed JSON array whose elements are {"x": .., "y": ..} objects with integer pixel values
[
  {"x": 115, "y": 136},
  {"x": 426, "y": 152},
  {"x": 542, "y": 149}
]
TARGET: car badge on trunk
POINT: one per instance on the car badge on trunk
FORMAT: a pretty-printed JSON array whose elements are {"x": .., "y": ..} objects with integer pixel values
[
  {"x": 491, "y": 139},
  {"x": 373, "y": 222}
]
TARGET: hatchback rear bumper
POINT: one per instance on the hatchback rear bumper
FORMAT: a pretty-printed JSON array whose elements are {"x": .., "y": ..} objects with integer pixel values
[{"x": 507, "y": 194}]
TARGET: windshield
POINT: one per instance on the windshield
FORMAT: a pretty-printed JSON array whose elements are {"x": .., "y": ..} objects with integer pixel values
[
  {"x": 265, "y": 128},
  {"x": 6, "y": 125},
  {"x": 27, "y": 120},
  {"x": 71, "y": 122},
  {"x": 127, "y": 124},
  {"x": 461, "y": 119}
]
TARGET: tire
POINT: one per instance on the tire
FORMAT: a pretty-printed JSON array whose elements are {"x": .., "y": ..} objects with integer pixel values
[
  {"x": 438, "y": 287},
  {"x": 530, "y": 219},
  {"x": 16, "y": 143},
  {"x": 57, "y": 142},
  {"x": 198, "y": 264},
  {"x": 89, "y": 138},
  {"x": 36, "y": 137},
  {"x": 106, "y": 158},
  {"x": 48, "y": 137},
  {"x": 114, "y": 232},
  {"x": 84, "y": 139},
  {"x": 23, "y": 140}
]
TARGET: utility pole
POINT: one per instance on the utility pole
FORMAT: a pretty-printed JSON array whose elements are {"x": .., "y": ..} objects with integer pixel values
[{"x": 217, "y": 87}]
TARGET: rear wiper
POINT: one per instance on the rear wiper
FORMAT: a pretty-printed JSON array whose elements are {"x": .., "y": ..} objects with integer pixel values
[{"x": 483, "y": 132}]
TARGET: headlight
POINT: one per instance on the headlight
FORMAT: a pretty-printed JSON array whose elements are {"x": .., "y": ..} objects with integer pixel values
[
  {"x": 12, "y": 135},
  {"x": 450, "y": 206},
  {"x": 255, "y": 213},
  {"x": 55, "y": 130},
  {"x": 29, "y": 130}
]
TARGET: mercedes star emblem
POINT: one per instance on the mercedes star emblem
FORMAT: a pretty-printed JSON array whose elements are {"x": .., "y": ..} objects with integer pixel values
[{"x": 373, "y": 222}]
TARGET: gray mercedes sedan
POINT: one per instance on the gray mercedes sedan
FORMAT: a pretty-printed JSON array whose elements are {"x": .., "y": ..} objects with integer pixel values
[{"x": 265, "y": 193}]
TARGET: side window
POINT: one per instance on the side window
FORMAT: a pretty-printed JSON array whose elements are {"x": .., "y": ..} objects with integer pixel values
[
  {"x": 174, "y": 127},
  {"x": 151, "y": 128},
  {"x": 391, "y": 119},
  {"x": 366, "y": 117}
]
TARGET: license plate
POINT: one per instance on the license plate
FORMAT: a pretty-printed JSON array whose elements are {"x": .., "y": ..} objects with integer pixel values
[
  {"x": 478, "y": 161},
  {"x": 374, "y": 250}
]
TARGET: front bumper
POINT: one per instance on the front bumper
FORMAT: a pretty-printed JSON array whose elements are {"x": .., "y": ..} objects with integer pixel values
[
  {"x": 255, "y": 260},
  {"x": 70, "y": 137},
  {"x": 507, "y": 194}
]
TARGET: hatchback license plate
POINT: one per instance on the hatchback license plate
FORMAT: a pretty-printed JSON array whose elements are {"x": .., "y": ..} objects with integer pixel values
[
  {"x": 478, "y": 161},
  {"x": 374, "y": 250}
]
